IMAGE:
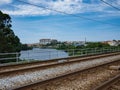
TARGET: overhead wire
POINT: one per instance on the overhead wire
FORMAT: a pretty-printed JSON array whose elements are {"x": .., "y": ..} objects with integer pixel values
[
  {"x": 68, "y": 13},
  {"x": 110, "y": 5}
]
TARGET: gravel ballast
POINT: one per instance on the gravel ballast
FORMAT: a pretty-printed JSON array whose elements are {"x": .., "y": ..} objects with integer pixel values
[
  {"x": 86, "y": 80},
  {"x": 115, "y": 86}
]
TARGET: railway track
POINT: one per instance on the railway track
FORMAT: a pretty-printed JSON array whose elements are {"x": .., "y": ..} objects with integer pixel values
[
  {"x": 106, "y": 85},
  {"x": 5, "y": 69},
  {"x": 64, "y": 74},
  {"x": 115, "y": 86},
  {"x": 84, "y": 80},
  {"x": 68, "y": 76}
]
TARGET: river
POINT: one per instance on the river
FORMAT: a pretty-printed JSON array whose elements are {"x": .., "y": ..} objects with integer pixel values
[{"x": 42, "y": 54}]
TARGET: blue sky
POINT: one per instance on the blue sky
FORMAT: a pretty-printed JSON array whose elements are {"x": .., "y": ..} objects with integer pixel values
[{"x": 32, "y": 23}]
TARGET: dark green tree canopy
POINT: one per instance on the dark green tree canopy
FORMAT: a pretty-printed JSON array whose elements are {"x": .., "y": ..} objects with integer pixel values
[{"x": 9, "y": 42}]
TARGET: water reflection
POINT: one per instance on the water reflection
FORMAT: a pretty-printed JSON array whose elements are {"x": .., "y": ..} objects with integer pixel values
[{"x": 42, "y": 54}]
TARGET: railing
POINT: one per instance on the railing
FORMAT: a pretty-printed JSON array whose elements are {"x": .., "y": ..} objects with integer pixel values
[
  {"x": 47, "y": 55},
  {"x": 91, "y": 51},
  {"x": 9, "y": 57}
]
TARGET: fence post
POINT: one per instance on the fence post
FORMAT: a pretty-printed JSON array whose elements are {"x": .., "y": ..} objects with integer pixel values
[
  {"x": 73, "y": 52},
  {"x": 57, "y": 55},
  {"x": 28, "y": 56},
  {"x": 17, "y": 57},
  {"x": 95, "y": 51},
  {"x": 49, "y": 55},
  {"x": 92, "y": 51},
  {"x": 112, "y": 49},
  {"x": 101, "y": 50},
  {"x": 86, "y": 52},
  {"x": 67, "y": 50}
]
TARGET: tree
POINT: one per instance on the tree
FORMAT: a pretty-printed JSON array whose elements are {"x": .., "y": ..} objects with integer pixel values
[
  {"x": 9, "y": 42},
  {"x": 26, "y": 47},
  {"x": 96, "y": 45}
]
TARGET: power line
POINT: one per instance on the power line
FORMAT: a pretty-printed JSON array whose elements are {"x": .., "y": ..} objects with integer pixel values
[
  {"x": 110, "y": 5},
  {"x": 68, "y": 13}
]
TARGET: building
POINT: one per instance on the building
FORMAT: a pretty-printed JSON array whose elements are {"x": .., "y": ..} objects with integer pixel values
[
  {"x": 112, "y": 43},
  {"x": 119, "y": 42},
  {"x": 47, "y": 41},
  {"x": 54, "y": 41},
  {"x": 78, "y": 43},
  {"x": 75, "y": 43}
]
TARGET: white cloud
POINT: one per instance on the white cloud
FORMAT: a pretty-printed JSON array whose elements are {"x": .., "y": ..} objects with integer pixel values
[
  {"x": 5, "y": 1},
  {"x": 27, "y": 10},
  {"x": 67, "y": 6}
]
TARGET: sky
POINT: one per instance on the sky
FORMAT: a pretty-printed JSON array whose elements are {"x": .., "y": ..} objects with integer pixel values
[{"x": 64, "y": 20}]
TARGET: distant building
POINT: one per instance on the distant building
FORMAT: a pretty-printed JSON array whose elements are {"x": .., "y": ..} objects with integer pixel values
[
  {"x": 75, "y": 43},
  {"x": 112, "y": 43},
  {"x": 119, "y": 42},
  {"x": 47, "y": 41},
  {"x": 78, "y": 43},
  {"x": 54, "y": 41}
]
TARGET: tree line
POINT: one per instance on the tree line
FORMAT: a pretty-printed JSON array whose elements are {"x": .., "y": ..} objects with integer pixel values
[{"x": 9, "y": 42}]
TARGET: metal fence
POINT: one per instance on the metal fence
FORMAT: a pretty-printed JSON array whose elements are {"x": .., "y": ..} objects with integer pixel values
[
  {"x": 92, "y": 51},
  {"x": 47, "y": 55}
]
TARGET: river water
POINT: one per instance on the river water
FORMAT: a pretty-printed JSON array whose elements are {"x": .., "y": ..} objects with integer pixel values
[{"x": 42, "y": 54}]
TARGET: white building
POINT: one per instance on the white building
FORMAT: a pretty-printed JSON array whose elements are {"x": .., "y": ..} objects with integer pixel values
[
  {"x": 113, "y": 43},
  {"x": 47, "y": 41},
  {"x": 78, "y": 43}
]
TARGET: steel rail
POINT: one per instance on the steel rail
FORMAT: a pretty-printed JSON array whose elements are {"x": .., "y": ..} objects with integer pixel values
[
  {"x": 41, "y": 82},
  {"x": 55, "y": 64},
  {"x": 107, "y": 84}
]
